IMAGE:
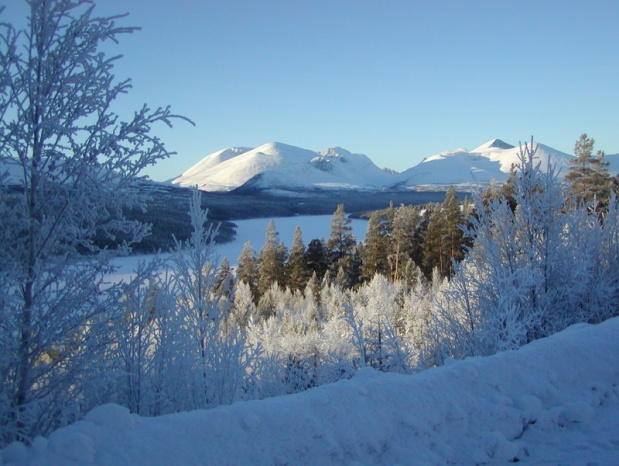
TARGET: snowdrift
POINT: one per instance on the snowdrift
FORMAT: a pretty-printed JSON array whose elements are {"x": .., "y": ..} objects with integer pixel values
[{"x": 554, "y": 401}]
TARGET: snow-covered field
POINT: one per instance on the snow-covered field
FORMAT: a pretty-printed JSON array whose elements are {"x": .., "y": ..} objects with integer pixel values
[{"x": 554, "y": 402}]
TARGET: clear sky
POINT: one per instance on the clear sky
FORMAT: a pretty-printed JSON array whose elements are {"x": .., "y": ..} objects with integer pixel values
[{"x": 395, "y": 80}]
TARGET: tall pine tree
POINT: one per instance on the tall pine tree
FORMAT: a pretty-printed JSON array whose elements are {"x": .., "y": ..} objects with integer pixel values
[
  {"x": 298, "y": 274},
  {"x": 342, "y": 247},
  {"x": 375, "y": 250},
  {"x": 271, "y": 261},
  {"x": 247, "y": 270},
  {"x": 588, "y": 174}
]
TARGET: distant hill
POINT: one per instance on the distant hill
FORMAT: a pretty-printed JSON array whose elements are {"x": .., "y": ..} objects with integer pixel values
[
  {"x": 280, "y": 166},
  {"x": 491, "y": 161},
  {"x": 277, "y": 167}
]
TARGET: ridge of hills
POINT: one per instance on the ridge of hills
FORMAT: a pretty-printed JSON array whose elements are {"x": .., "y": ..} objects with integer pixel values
[{"x": 279, "y": 167}]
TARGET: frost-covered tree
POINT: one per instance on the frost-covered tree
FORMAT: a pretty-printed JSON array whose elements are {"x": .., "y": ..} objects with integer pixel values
[
  {"x": 76, "y": 163},
  {"x": 531, "y": 271},
  {"x": 218, "y": 355}
]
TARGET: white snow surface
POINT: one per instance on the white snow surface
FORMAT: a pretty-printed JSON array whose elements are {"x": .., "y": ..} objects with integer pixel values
[
  {"x": 489, "y": 162},
  {"x": 278, "y": 165},
  {"x": 554, "y": 401}
]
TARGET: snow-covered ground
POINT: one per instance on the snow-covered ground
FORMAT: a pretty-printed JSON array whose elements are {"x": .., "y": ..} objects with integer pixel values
[{"x": 555, "y": 401}]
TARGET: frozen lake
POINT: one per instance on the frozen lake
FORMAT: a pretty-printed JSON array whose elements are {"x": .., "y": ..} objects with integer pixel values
[{"x": 254, "y": 231}]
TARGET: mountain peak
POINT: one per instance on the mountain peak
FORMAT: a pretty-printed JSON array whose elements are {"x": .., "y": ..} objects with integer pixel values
[
  {"x": 334, "y": 152},
  {"x": 493, "y": 144}
]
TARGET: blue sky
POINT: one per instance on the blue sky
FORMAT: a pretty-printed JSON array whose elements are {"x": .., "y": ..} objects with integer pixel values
[{"x": 396, "y": 80}]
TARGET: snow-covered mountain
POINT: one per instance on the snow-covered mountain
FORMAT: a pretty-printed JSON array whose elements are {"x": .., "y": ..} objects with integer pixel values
[
  {"x": 491, "y": 161},
  {"x": 277, "y": 166},
  {"x": 280, "y": 166}
]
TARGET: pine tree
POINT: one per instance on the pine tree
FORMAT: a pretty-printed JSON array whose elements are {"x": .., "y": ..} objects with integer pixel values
[
  {"x": 297, "y": 269},
  {"x": 454, "y": 235},
  {"x": 271, "y": 261},
  {"x": 316, "y": 260},
  {"x": 225, "y": 279},
  {"x": 588, "y": 174},
  {"x": 444, "y": 239},
  {"x": 342, "y": 247},
  {"x": 374, "y": 253},
  {"x": 405, "y": 242},
  {"x": 434, "y": 246},
  {"x": 247, "y": 270}
]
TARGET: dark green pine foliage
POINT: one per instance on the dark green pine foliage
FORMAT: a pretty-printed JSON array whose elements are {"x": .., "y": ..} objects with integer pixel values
[
  {"x": 588, "y": 174},
  {"x": 375, "y": 250},
  {"x": 225, "y": 279},
  {"x": 342, "y": 249},
  {"x": 247, "y": 270},
  {"x": 405, "y": 239},
  {"x": 444, "y": 239},
  {"x": 316, "y": 258},
  {"x": 271, "y": 261},
  {"x": 434, "y": 247},
  {"x": 298, "y": 273}
]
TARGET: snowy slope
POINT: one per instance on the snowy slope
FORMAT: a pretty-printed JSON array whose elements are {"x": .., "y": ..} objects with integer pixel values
[
  {"x": 490, "y": 161},
  {"x": 555, "y": 401},
  {"x": 276, "y": 165}
]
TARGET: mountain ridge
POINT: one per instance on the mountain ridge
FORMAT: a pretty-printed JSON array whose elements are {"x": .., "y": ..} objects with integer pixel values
[{"x": 279, "y": 166}]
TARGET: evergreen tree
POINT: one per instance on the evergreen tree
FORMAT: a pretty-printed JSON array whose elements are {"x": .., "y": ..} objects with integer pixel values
[
  {"x": 271, "y": 261},
  {"x": 374, "y": 253},
  {"x": 444, "y": 239},
  {"x": 247, "y": 270},
  {"x": 588, "y": 174},
  {"x": 342, "y": 247},
  {"x": 225, "y": 279},
  {"x": 316, "y": 258},
  {"x": 298, "y": 273},
  {"x": 405, "y": 242},
  {"x": 434, "y": 246},
  {"x": 453, "y": 233}
]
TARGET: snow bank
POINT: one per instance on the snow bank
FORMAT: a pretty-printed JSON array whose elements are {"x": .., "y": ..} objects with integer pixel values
[{"x": 553, "y": 401}]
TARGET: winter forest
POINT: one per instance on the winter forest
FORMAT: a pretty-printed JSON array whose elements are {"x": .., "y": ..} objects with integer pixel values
[{"x": 511, "y": 264}]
